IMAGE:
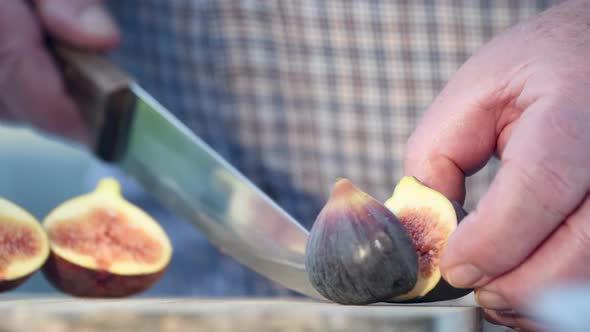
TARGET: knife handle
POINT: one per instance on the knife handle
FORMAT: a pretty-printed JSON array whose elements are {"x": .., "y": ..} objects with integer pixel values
[{"x": 103, "y": 96}]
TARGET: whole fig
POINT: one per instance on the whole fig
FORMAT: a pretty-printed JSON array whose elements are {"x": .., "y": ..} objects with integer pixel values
[{"x": 358, "y": 252}]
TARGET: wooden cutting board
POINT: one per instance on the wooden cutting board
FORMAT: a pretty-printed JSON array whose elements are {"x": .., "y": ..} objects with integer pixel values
[{"x": 63, "y": 314}]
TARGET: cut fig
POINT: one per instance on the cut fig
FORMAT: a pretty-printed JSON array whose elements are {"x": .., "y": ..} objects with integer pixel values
[
  {"x": 357, "y": 251},
  {"x": 429, "y": 218},
  {"x": 23, "y": 245},
  {"x": 104, "y": 246}
]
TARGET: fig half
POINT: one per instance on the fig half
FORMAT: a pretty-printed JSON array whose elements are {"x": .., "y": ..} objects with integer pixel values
[
  {"x": 357, "y": 251},
  {"x": 429, "y": 217},
  {"x": 104, "y": 246},
  {"x": 24, "y": 247}
]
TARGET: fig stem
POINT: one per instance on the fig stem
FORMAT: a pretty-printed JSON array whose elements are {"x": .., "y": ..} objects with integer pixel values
[{"x": 109, "y": 186}]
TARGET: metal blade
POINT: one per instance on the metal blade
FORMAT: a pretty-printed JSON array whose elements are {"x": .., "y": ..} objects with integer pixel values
[{"x": 191, "y": 179}]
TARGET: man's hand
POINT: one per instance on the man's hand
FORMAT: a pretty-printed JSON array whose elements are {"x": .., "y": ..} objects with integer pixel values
[
  {"x": 31, "y": 89},
  {"x": 525, "y": 97}
]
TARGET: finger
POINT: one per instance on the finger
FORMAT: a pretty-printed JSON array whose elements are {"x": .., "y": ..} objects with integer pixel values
[
  {"x": 452, "y": 139},
  {"x": 31, "y": 89},
  {"x": 459, "y": 132},
  {"x": 85, "y": 23},
  {"x": 561, "y": 259},
  {"x": 543, "y": 178}
]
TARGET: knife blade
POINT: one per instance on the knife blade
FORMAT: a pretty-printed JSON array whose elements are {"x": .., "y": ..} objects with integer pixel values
[{"x": 131, "y": 130}]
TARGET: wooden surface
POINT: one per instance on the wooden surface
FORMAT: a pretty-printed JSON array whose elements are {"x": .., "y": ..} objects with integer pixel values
[{"x": 223, "y": 314}]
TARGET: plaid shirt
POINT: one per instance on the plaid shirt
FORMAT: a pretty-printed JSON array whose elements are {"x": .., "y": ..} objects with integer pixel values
[{"x": 298, "y": 93}]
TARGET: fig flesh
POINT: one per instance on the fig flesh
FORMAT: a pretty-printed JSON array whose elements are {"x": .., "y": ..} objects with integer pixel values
[
  {"x": 24, "y": 247},
  {"x": 104, "y": 246},
  {"x": 443, "y": 291},
  {"x": 357, "y": 251},
  {"x": 430, "y": 218}
]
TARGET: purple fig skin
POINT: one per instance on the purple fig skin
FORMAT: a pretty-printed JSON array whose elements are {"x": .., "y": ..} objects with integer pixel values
[
  {"x": 459, "y": 211},
  {"x": 357, "y": 251},
  {"x": 78, "y": 281},
  {"x": 443, "y": 291},
  {"x": 8, "y": 285}
]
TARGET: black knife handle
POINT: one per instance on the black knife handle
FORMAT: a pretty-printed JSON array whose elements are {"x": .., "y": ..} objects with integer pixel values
[{"x": 102, "y": 93}]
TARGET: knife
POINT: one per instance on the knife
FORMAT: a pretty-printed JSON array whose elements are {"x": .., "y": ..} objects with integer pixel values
[{"x": 131, "y": 130}]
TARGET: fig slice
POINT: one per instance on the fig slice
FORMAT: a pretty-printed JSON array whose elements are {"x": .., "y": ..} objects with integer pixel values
[
  {"x": 104, "y": 246},
  {"x": 24, "y": 247},
  {"x": 357, "y": 251},
  {"x": 430, "y": 218}
]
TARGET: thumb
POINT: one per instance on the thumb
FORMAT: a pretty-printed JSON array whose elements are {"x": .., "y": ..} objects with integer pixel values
[
  {"x": 83, "y": 23},
  {"x": 456, "y": 136}
]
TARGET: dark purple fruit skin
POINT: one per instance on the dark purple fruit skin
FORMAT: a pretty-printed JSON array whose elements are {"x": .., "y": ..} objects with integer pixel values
[
  {"x": 388, "y": 268},
  {"x": 443, "y": 291},
  {"x": 459, "y": 211},
  {"x": 78, "y": 281},
  {"x": 8, "y": 285}
]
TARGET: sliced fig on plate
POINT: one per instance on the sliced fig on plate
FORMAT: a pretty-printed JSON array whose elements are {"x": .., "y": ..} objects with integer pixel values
[{"x": 104, "y": 246}]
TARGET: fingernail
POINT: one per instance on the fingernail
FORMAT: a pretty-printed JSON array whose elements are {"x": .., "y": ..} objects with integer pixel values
[
  {"x": 463, "y": 276},
  {"x": 491, "y": 300},
  {"x": 502, "y": 317},
  {"x": 507, "y": 316},
  {"x": 96, "y": 20}
]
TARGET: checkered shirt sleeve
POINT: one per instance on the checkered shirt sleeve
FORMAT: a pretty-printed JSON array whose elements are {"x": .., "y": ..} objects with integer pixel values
[{"x": 298, "y": 93}]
